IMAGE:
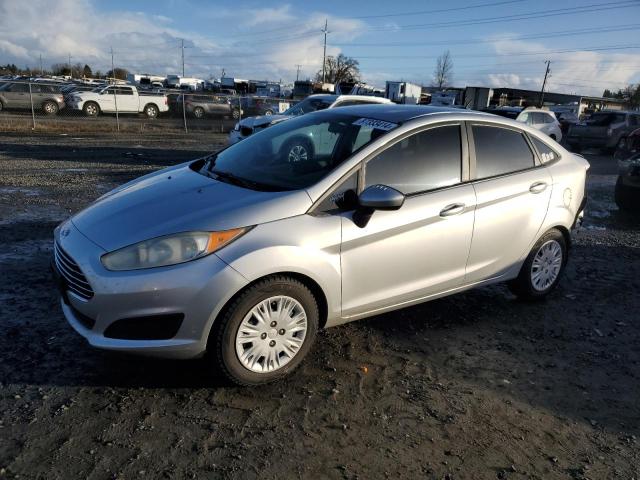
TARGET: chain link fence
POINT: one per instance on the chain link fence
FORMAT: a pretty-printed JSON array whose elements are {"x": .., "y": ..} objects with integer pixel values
[{"x": 68, "y": 107}]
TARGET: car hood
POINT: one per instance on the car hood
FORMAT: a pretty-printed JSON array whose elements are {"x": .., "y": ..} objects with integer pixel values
[
  {"x": 179, "y": 199},
  {"x": 263, "y": 120}
]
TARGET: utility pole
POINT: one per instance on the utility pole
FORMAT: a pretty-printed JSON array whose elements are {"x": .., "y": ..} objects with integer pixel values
[
  {"x": 324, "y": 53},
  {"x": 182, "y": 48},
  {"x": 544, "y": 82},
  {"x": 298, "y": 67},
  {"x": 115, "y": 98},
  {"x": 184, "y": 109}
]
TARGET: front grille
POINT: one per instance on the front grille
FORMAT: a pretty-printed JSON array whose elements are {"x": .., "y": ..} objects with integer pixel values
[{"x": 75, "y": 280}]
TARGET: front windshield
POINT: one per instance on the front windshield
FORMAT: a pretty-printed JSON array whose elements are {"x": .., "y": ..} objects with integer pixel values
[
  {"x": 297, "y": 153},
  {"x": 308, "y": 105}
]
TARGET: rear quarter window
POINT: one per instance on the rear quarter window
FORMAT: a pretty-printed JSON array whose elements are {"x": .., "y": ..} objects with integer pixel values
[{"x": 545, "y": 152}]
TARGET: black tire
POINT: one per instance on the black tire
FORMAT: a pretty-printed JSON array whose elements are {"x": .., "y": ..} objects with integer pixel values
[
  {"x": 50, "y": 108},
  {"x": 523, "y": 286},
  {"x": 298, "y": 150},
  {"x": 1, "y": 106},
  {"x": 198, "y": 112},
  {"x": 223, "y": 336},
  {"x": 627, "y": 198},
  {"x": 151, "y": 110},
  {"x": 91, "y": 109},
  {"x": 622, "y": 144}
]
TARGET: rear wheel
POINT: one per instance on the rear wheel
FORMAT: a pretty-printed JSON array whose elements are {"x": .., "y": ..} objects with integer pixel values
[
  {"x": 91, "y": 109},
  {"x": 268, "y": 112},
  {"x": 266, "y": 331},
  {"x": 543, "y": 268},
  {"x": 50, "y": 108},
  {"x": 151, "y": 111},
  {"x": 198, "y": 112},
  {"x": 235, "y": 114},
  {"x": 1, "y": 106}
]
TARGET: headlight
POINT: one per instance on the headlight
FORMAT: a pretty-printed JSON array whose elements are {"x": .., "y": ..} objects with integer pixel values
[{"x": 169, "y": 250}]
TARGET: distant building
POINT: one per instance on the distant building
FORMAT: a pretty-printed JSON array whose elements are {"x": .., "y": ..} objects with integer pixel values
[{"x": 515, "y": 97}]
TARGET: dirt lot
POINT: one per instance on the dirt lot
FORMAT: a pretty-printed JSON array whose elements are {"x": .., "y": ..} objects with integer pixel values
[{"x": 473, "y": 386}]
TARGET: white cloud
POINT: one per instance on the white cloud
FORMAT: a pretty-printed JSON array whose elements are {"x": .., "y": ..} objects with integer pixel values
[
  {"x": 269, "y": 15},
  {"x": 585, "y": 72},
  {"x": 151, "y": 43}
]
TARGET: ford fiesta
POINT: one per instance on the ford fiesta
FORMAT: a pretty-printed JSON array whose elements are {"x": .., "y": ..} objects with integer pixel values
[{"x": 323, "y": 219}]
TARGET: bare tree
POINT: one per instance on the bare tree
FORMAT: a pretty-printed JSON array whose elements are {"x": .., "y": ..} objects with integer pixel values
[
  {"x": 339, "y": 69},
  {"x": 443, "y": 74}
]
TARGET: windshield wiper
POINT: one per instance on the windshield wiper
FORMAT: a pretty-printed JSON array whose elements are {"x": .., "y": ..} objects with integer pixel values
[{"x": 243, "y": 182}]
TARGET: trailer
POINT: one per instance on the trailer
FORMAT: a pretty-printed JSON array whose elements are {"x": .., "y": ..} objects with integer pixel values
[{"x": 403, "y": 92}]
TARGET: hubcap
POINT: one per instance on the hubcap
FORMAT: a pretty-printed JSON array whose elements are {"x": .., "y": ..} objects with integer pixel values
[
  {"x": 546, "y": 265},
  {"x": 91, "y": 110},
  {"x": 271, "y": 334},
  {"x": 298, "y": 154}
]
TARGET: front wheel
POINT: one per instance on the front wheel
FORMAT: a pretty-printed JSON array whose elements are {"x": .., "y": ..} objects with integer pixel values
[
  {"x": 235, "y": 114},
  {"x": 543, "y": 268},
  {"x": 151, "y": 111},
  {"x": 266, "y": 331}
]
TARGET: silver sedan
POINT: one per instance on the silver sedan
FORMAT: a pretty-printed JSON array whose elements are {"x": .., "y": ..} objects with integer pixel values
[{"x": 327, "y": 218}]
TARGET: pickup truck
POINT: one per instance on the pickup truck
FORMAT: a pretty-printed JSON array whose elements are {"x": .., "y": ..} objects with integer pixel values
[
  {"x": 606, "y": 130},
  {"x": 125, "y": 97}
]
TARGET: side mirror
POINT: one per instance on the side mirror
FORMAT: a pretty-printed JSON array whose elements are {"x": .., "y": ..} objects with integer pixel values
[{"x": 381, "y": 197}]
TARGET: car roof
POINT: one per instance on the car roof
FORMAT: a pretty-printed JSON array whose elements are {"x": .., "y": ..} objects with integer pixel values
[{"x": 401, "y": 113}]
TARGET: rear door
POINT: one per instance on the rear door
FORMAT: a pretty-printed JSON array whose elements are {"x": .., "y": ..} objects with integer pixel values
[
  {"x": 512, "y": 191},
  {"x": 422, "y": 248}
]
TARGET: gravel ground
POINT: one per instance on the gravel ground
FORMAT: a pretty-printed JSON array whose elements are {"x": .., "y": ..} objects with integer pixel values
[{"x": 473, "y": 386}]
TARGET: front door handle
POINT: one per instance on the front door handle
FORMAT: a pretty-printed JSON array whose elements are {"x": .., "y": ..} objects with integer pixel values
[
  {"x": 453, "y": 209},
  {"x": 538, "y": 187}
]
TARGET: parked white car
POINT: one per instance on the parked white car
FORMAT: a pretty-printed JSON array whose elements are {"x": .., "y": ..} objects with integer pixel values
[
  {"x": 126, "y": 98},
  {"x": 543, "y": 120},
  {"x": 312, "y": 103}
]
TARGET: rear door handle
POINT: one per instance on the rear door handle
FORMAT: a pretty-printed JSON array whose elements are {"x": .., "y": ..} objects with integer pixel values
[
  {"x": 538, "y": 187},
  {"x": 453, "y": 209}
]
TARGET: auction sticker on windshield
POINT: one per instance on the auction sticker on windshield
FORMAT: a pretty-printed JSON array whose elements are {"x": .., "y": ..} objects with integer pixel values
[{"x": 377, "y": 124}]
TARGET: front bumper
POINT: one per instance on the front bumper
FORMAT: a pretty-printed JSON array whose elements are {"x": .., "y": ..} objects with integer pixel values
[{"x": 198, "y": 290}]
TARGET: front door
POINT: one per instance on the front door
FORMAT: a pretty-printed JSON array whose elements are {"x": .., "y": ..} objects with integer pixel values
[{"x": 422, "y": 248}]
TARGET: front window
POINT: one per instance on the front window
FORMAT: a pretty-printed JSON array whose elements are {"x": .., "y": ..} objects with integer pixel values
[
  {"x": 297, "y": 153},
  {"x": 309, "y": 105}
]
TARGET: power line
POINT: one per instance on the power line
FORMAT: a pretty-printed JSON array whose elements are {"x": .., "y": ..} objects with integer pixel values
[
  {"x": 513, "y": 54},
  {"x": 521, "y": 16},
  {"x": 441, "y": 10},
  {"x": 564, "y": 33}
]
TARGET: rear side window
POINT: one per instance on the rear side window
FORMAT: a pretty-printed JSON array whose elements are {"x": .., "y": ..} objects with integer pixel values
[
  {"x": 500, "y": 151},
  {"x": 424, "y": 161},
  {"x": 544, "y": 150}
]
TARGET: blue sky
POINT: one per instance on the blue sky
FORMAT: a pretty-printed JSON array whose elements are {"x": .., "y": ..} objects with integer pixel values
[{"x": 592, "y": 44}]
